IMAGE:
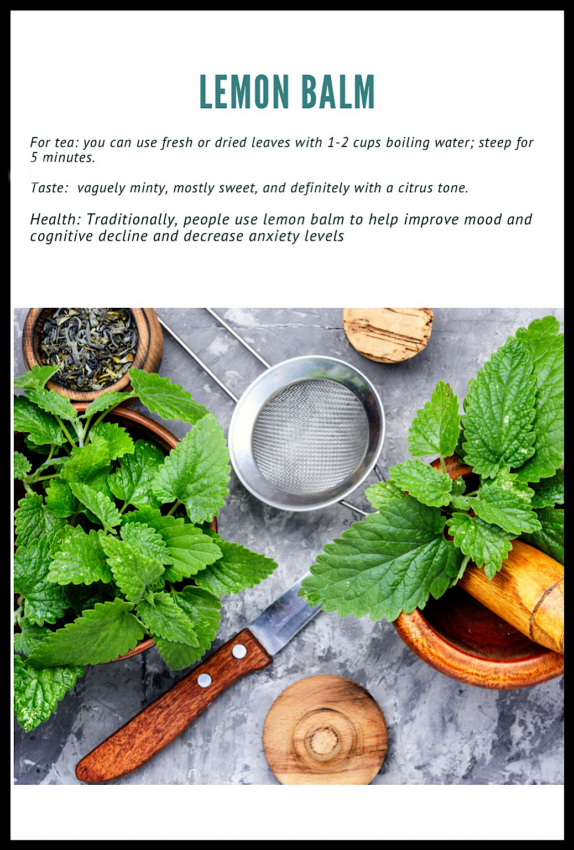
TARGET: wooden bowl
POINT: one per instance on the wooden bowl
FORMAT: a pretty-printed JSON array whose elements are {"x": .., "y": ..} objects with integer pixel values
[
  {"x": 140, "y": 427},
  {"x": 148, "y": 353},
  {"x": 461, "y": 638}
]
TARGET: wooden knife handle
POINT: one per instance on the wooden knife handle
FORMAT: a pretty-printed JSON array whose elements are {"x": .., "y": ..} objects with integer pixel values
[{"x": 164, "y": 719}]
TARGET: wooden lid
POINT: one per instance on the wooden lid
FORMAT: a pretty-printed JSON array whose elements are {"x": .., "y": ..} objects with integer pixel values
[
  {"x": 325, "y": 730},
  {"x": 388, "y": 334}
]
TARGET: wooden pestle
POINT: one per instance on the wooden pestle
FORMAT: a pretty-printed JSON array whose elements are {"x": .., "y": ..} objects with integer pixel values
[{"x": 528, "y": 592}]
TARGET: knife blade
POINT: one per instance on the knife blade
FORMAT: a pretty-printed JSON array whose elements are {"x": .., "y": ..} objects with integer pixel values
[{"x": 157, "y": 725}]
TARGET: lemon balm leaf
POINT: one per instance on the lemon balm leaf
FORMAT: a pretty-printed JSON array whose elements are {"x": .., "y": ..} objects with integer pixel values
[
  {"x": 550, "y": 537},
  {"x": 42, "y": 427},
  {"x": 40, "y": 691},
  {"x": 423, "y": 482},
  {"x": 131, "y": 481},
  {"x": 196, "y": 472},
  {"x": 237, "y": 569},
  {"x": 436, "y": 427},
  {"x": 545, "y": 343},
  {"x": 162, "y": 396},
  {"x": 103, "y": 633},
  {"x": 36, "y": 378},
  {"x": 486, "y": 544},
  {"x": 549, "y": 491},
  {"x": 499, "y": 411},
  {"x": 388, "y": 563}
]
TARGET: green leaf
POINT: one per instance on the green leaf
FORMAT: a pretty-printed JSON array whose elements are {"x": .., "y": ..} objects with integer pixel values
[
  {"x": 33, "y": 520},
  {"x": 145, "y": 538},
  {"x": 422, "y": 481},
  {"x": 42, "y": 427},
  {"x": 41, "y": 450},
  {"x": 105, "y": 402},
  {"x": 549, "y": 491},
  {"x": 546, "y": 346},
  {"x": 117, "y": 438},
  {"x": 131, "y": 482},
  {"x": 166, "y": 619},
  {"x": 40, "y": 693},
  {"x": 36, "y": 378},
  {"x": 102, "y": 634},
  {"x": 45, "y": 601},
  {"x": 436, "y": 427},
  {"x": 196, "y": 472},
  {"x": 87, "y": 461},
  {"x": 60, "y": 499},
  {"x": 499, "y": 410},
  {"x": 190, "y": 550},
  {"x": 550, "y": 538},
  {"x": 162, "y": 396},
  {"x": 486, "y": 544},
  {"x": 133, "y": 571},
  {"x": 501, "y": 503},
  {"x": 22, "y": 466},
  {"x": 56, "y": 462},
  {"x": 82, "y": 597},
  {"x": 461, "y": 503},
  {"x": 458, "y": 486},
  {"x": 20, "y": 673},
  {"x": 203, "y": 611},
  {"x": 29, "y": 637},
  {"x": 237, "y": 569},
  {"x": 80, "y": 560},
  {"x": 98, "y": 503},
  {"x": 380, "y": 494},
  {"x": 53, "y": 403},
  {"x": 388, "y": 563}
]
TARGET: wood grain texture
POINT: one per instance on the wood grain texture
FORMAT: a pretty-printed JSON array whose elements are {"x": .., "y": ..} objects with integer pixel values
[
  {"x": 503, "y": 634},
  {"x": 148, "y": 355},
  {"x": 325, "y": 730},
  {"x": 164, "y": 719},
  {"x": 528, "y": 593},
  {"x": 386, "y": 334}
]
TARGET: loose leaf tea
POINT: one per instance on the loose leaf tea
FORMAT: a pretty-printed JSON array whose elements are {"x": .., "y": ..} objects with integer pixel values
[{"x": 92, "y": 346}]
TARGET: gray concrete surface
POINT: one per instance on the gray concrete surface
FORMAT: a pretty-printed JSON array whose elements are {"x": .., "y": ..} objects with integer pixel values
[{"x": 440, "y": 731}]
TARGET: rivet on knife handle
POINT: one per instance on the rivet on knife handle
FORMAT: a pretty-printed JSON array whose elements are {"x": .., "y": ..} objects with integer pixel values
[{"x": 164, "y": 719}]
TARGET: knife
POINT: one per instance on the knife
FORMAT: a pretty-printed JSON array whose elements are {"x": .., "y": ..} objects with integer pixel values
[{"x": 253, "y": 648}]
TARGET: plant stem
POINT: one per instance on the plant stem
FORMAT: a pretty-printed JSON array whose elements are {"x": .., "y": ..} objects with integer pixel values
[
  {"x": 65, "y": 430},
  {"x": 443, "y": 465},
  {"x": 174, "y": 507},
  {"x": 105, "y": 413},
  {"x": 47, "y": 477},
  {"x": 474, "y": 493},
  {"x": 18, "y": 614}
]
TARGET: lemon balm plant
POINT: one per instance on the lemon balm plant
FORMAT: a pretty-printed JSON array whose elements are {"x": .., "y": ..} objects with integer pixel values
[
  {"x": 113, "y": 543},
  {"x": 427, "y": 527}
]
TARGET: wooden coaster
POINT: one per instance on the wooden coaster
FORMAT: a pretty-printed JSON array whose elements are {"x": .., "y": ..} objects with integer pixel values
[
  {"x": 388, "y": 334},
  {"x": 325, "y": 730}
]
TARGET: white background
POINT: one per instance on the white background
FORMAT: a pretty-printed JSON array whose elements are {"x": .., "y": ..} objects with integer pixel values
[
  {"x": 136, "y": 75},
  {"x": 113, "y": 75}
]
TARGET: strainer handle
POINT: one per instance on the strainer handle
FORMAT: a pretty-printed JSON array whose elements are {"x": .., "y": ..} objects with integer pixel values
[
  {"x": 198, "y": 360},
  {"x": 237, "y": 337}
]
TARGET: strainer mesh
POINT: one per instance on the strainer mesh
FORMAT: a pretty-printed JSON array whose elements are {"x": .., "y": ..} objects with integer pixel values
[{"x": 310, "y": 437}]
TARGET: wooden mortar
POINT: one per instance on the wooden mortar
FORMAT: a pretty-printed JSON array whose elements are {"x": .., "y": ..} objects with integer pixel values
[{"x": 148, "y": 355}]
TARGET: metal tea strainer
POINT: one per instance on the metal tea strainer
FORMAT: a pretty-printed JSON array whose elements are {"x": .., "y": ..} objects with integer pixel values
[{"x": 306, "y": 432}]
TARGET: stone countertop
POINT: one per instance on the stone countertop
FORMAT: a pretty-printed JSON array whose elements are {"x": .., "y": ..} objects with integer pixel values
[{"x": 440, "y": 731}]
